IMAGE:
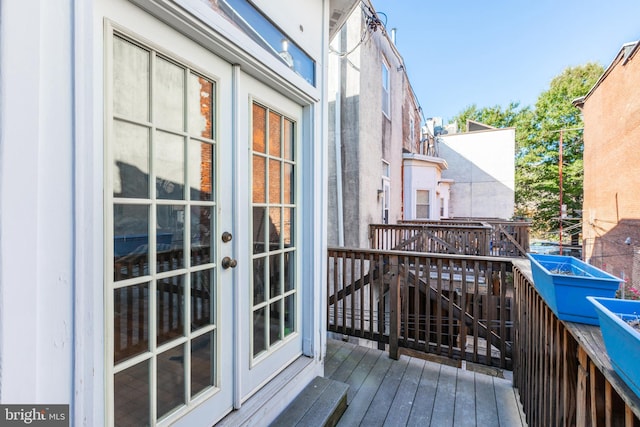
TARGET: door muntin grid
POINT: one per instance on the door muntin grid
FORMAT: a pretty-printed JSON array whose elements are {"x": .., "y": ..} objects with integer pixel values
[
  {"x": 162, "y": 293},
  {"x": 274, "y": 288}
]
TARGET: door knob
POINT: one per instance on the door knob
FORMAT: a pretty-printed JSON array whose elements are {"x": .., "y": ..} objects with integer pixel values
[
  {"x": 228, "y": 262},
  {"x": 226, "y": 237}
]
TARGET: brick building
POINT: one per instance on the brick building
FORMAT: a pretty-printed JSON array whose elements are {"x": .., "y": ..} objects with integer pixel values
[{"x": 611, "y": 210}]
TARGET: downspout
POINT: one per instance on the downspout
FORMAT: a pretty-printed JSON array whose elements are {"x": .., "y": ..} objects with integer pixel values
[{"x": 338, "y": 146}]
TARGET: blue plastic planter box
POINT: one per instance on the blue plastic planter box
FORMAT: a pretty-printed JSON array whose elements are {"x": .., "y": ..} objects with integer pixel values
[
  {"x": 621, "y": 340},
  {"x": 564, "y": 282}
]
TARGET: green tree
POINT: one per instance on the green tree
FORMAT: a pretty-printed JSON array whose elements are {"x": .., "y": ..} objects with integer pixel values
[
  {"x": 538, "y": 156},
  {"x": 538, "y": 132}
]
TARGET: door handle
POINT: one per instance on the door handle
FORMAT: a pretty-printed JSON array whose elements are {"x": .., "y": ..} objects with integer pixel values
[
  {"x": 228, "y": 262},
  {"x": 226, "y": 237}
]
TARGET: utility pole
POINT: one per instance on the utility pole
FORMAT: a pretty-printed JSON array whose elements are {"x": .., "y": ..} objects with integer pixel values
[{"x": 560, "y": 173}]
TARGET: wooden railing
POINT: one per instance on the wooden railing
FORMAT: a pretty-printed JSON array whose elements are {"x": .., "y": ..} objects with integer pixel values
[
  {"x": 450, "y": 305},
  {"x": 561, "y": 369},
  {"x": 506, "y": 238},
  {"x": 433, "y": 238}
]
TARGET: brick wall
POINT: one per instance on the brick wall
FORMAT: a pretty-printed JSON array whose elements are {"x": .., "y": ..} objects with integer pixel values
[{"x": 611, "y": 210}]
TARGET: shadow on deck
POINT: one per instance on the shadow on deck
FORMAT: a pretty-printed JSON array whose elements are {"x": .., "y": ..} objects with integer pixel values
[{"x": 416, "y": 392}]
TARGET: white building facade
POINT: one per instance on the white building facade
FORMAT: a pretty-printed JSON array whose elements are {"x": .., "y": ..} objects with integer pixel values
[{"x": 482, "y": 166}]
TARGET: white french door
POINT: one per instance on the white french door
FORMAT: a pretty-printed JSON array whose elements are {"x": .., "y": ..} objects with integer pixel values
[
  {"x": 202, "y": 224},
  {"x": 169, "y": 225},
  {"x": 270, "y": 327}
]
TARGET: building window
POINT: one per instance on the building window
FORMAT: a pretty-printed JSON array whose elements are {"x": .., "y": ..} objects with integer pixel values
[
  {"x": 442, "y": 207},
  {"x": 386, "y": 98},
  {"x": 422, "y": 204},
  {"x": 386, "y": 191}
]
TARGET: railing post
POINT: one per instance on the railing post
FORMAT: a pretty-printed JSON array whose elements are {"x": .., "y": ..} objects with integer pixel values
[{"x": 394, "y": 307}]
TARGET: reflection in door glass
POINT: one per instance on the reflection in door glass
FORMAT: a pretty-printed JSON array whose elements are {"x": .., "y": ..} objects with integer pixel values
[
  {"x": 133, "y": 381},
  {"x": 163, "y": 198},
  {"x": 170, "y": 308},
  {"x": 170, "y": 383},
  {"x": 130, "y": 321},
  {"x": 274, "y": 204},
  {"x": 202, "y": 301},
  {"x": 202, "y": 362}
]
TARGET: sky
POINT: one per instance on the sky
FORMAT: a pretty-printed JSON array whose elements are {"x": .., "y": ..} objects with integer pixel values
[{"x": 493, "y": 52}]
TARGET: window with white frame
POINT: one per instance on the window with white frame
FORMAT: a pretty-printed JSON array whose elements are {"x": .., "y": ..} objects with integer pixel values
[
  {"x": 386, "y": 191},
  {"x": 422, "y": 204},
  {"x": 386, "y": 98}
]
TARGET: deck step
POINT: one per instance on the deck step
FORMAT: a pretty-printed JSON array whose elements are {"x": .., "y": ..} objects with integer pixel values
[{"x": 321, "y": 403}]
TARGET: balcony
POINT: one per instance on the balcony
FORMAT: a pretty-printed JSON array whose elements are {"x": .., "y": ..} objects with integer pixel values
[{"x": 466, "y": 310}]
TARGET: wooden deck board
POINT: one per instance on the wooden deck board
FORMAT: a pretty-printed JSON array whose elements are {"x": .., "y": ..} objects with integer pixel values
[
  {"x": 425, "y": 396},
  {"x": 415, "y": 392},
  {"x": 486, "y": 407},
  {"x": 465, "y": 406},
  {"x": 405, "y": 397},
  {"x": 380, "y": 405}
]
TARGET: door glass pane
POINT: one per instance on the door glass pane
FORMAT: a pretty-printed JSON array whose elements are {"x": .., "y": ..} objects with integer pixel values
[
  {"x": 274, "y": 276},
  {"x": 130, "y": 160},
  {"x": 202, "y": 299},
  {"x": 130, "y": 241},
  {"x": 288, "y": 227},
  {"x": 201, "y": 171},
  {"x": 259, "y": 229},
  {"x": 289, "y": 271},
  {"x": 289, "y": 314},
  {"x": 275, "y": 134},
  {"x": 288, "y": 140},
  {"x": 275, "y": 326},
  {"x": 130, "y": 321},
  {"x": 275, "y": 227},
  {"x": 170, "y": 237},
  {"x": 168, "y": 95},
  {"x": 170, "y": 380},
  {"x": 132, "y": 400},
  {"x": 201, "y": 232},
  {"x": 259, "y": 330},
  {"x": 288, "y": 184},
  {"x": 259, "y": 273},
  {"x": 130, "y": 80},
  {"x": 259, "y": 179},
  {"x": 169, "y": 164},
  {"x": 170, "y": 308},
  {"x": 259, "y": 119},
  {"x": 274, "y": 181},
  {"x": 200, "y": 108},
  {"x": 202, "y": 362}
]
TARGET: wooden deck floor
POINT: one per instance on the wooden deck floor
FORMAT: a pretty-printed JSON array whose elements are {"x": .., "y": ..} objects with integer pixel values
[{"x": 414, "y": 392}]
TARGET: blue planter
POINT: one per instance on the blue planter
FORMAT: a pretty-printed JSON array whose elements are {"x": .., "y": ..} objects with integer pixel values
[
  {"x": 621, "y": 340},
  {"x": 564, "y": 282}
]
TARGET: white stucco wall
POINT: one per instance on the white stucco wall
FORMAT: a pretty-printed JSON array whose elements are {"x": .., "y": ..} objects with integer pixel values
[
  {"x": 36, "y": 202},
  {"x": 367, "y": 136},
  {"x": 482, "y": 164}
]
